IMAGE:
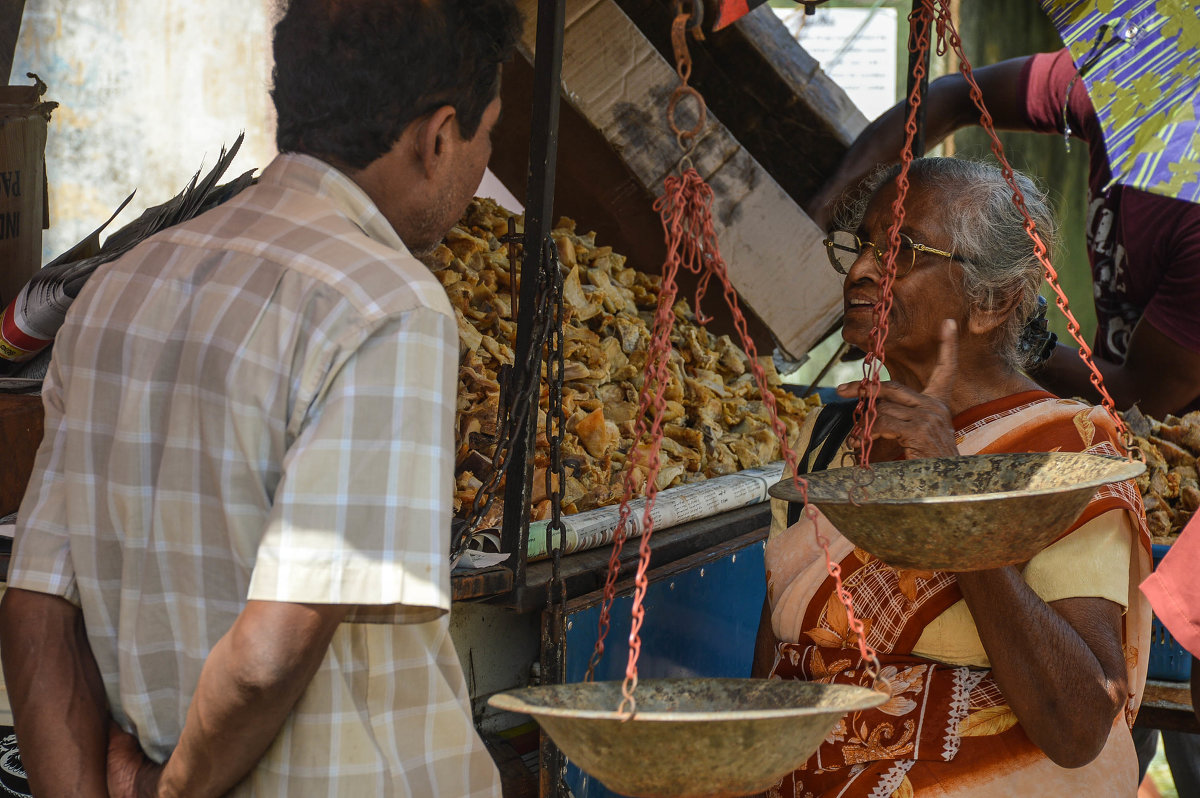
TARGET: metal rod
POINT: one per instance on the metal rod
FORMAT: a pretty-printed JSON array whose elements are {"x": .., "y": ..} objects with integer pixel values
[
  {"x": 919, "y": 24},
  {"x": 812, "y": 386},
  {"x": 539, "y": 204}
]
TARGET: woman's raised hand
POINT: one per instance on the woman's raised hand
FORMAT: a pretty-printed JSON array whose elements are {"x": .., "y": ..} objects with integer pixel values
[{"x": 919, "y": 423}]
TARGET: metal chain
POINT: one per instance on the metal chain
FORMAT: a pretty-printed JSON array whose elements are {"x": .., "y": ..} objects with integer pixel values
[
  {"x": 555, "y": 368},
  {"x": 865, "y": 412},
  {"x": 686, "y": 212},
  {"x": 516, "y": 401},
  {"x": 947, "y": 31}
]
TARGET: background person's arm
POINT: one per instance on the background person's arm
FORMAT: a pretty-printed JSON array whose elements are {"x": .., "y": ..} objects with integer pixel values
[
  {"x": 1159, "y": 375},
  {"x": 948, "y": 107},
  {"x": 59, "y": 708},
  {"x": 248, "y": 686}
]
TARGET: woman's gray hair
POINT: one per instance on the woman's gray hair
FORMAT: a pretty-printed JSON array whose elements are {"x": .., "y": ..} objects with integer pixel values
[{"x": 987, "y": 232}]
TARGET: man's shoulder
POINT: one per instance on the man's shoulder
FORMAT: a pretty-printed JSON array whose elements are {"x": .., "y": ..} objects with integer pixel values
[{"x": 312, "y": 237}]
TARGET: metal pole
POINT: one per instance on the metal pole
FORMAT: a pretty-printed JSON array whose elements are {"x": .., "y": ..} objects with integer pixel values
[
  {"x": 539, "y": 204},
  {"x": 919, "y": 23}
]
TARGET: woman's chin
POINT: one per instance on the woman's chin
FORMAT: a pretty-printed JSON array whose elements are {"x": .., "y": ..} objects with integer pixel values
[{"x": 856, "y": 333}]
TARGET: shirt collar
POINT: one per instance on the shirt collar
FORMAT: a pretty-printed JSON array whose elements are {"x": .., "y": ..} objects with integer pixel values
[{"x": 314, "y": 176}]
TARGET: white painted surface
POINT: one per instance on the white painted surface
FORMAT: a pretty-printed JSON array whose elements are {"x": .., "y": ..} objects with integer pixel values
[
  {"x": 855, "y": 46},
  {"x": 148, "y": 92}
]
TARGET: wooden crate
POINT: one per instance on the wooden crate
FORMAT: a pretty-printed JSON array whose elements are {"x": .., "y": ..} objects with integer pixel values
[{"x": 20, "y": 434}]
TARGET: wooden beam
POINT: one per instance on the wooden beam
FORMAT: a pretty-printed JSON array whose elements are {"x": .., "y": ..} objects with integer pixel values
[
  {"x": 592, "y": 186},
  {"x": 792, "y": 117},
  {"x": 11, "y": 12},
  {"x": 620, "y": 84}
]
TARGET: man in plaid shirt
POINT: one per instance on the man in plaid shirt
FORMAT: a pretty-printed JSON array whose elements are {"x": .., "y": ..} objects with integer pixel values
[{"x": 234, "y": 548}]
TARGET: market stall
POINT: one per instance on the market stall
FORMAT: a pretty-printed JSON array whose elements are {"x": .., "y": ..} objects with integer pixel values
[
  {"x": 560, "y": 326},
  {"x": 562, "y": 581}
]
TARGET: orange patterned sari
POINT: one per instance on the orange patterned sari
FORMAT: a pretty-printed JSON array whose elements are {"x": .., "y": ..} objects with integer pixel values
[{"x": 947, "y": 731}]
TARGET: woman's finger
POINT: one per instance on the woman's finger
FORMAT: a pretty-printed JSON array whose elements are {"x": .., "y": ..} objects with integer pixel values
[
  {"x": 890, "y": 391},
  {"x": 945, "y": 371}
]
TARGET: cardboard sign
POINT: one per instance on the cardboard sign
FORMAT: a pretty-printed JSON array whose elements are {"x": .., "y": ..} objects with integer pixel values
[{"x": 23, "y": 201}]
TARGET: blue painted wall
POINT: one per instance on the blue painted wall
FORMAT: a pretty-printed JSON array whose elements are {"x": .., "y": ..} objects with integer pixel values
[{"x": 701, "y": 622}]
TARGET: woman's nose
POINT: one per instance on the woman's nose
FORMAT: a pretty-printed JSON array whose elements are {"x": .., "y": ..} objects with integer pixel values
[{"x": 864, "y": 266}]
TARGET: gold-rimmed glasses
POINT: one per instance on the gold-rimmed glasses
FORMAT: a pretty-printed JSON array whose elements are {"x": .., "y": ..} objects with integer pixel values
[{"x": 844, "y": 248}]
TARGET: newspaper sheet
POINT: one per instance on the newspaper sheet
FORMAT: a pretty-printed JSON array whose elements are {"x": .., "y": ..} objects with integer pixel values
[{"x": 673, "y": 506}]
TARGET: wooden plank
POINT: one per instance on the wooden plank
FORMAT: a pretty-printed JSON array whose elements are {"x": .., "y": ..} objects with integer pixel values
[
  {"x": 1168, "y": 694},
  {"x": 21, "y": 421},
  {"x": 11, "y": 12},
  {"x": 773, "y": 96},
  {"x": 481, "y": 583},
  {"x": 621, "y": 85}
]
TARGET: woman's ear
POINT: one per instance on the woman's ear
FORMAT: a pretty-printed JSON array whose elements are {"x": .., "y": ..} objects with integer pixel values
[{"x": 983, "y": 320}]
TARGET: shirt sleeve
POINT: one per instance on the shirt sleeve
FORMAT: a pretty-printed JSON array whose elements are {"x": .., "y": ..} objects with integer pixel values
[
  {"x": 1174, "y": 591},
  {"x": 362, "y": 513},
  {"x": 41, "y": 557},
  {"x": 1173, "y": 308},
  {"x": 1046, "y": 79},
  {"x": 1091, "y": 562}
]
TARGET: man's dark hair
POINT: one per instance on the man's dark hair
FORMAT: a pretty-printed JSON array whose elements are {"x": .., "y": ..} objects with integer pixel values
[{"x": 351, "y": 75}]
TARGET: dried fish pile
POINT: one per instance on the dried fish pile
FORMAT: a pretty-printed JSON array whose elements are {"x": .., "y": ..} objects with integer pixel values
[
  {"x": 1170, "y": 487},
  {"x": 715, "y": 421}
]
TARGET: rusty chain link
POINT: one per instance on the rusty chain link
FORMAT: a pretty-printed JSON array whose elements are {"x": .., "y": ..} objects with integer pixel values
[
  {"x": 948, "y": 33},
  {"x": 686, "y": 212},
  {"x": 517, "y": 402}
]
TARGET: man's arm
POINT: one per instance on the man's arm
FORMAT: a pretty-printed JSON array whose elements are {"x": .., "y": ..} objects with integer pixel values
[
  {"x": 248, "y": 686},
  {"x": 948, "y": 107},
  {"x": 1158, "y": 374},
  {"x": 59, "y": 708}
]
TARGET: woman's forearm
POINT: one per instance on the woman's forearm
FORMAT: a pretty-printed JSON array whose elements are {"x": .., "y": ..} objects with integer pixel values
[{"x": 1061, "y": 668}]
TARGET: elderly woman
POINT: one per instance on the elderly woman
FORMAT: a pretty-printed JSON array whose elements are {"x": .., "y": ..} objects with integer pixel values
[{"x": 1017, "y": 681}]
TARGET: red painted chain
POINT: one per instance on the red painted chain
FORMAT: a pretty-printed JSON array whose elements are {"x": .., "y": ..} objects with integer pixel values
[
  {"x": 686, "y": 212},
  {"x": 868, "y": 388},
  {"x": 949, "y": 34}
]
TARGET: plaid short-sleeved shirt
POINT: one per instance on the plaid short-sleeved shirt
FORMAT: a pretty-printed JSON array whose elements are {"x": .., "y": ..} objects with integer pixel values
[{"x": 258, "y": 404}]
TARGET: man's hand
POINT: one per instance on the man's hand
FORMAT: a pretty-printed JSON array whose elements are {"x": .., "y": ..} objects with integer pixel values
[
  {"x": 919, "y": 422},
  {"x": 131, "y": 774}
]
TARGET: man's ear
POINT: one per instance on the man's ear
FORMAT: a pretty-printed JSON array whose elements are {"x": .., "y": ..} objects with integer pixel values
[
  {"x": 984, "y": 320},
  {"x": 436, "y": 138}
]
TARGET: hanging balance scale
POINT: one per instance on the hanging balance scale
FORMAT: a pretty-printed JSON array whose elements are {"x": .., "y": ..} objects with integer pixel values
[{"x": 734, "y": 737}]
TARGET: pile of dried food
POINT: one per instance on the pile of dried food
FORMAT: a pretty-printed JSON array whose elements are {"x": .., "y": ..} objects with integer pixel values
[
  {"x": 715, "y": 421},
  {"x": 1170, "y": 486}
]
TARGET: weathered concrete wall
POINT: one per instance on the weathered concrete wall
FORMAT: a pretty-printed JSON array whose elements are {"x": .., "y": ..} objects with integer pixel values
[{"x": 148, "y": 91}]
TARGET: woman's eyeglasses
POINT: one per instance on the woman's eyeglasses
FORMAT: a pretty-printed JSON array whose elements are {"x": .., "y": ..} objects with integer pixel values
[{"x": 844, "y": 248}]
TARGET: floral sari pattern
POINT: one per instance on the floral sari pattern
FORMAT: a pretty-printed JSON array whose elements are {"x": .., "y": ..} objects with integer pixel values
[{"x": 947, "y": 729}]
